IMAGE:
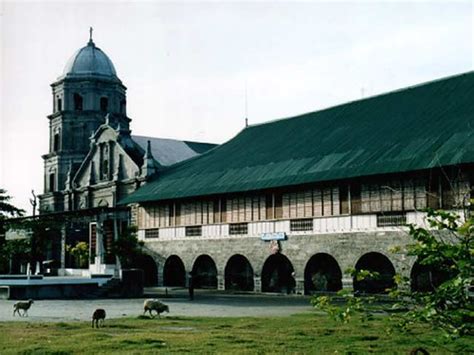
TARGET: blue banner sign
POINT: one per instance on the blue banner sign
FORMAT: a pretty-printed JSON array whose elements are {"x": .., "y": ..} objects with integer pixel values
[{"x": 273, "y": 236}]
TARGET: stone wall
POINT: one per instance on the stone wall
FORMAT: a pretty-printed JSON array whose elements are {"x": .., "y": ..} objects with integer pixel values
[{"x": 345, "y": 248}]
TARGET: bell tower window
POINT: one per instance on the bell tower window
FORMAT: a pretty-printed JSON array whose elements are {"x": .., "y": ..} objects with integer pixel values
[
  {"x": 123, "y": 106},
  {"x": 104, "y": 104},
  {"x": 52, "y": 182},
  {"x": 78, "y": 102},
  {"x": 56, "y": 142},
  {"x": 59, "y": 104}
]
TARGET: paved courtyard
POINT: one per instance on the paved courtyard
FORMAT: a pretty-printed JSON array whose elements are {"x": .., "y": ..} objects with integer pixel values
[{"x": 207, "y": 304}]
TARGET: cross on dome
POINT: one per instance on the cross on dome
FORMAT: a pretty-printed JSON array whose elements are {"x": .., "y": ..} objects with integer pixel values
[{"x": 90, "y": 35}]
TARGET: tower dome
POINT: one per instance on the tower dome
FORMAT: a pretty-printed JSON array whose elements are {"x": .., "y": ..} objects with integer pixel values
[{"x": 90, "y": 60}]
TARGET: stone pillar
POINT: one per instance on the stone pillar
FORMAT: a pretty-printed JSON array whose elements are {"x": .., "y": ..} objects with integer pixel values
[
  {"x": 99, "y": 244},
  {"x": 63, "y": 250},
  {"x": 220, "y": 282},
  {"x": 187, "y": 279},
  {"x": 257, "y": 284},
  {"x": 347, "y": 283},
  {"x": 299, "y": 287},
  {"x": 118, "y": 266},
  {"x": 159, "y": 273}
]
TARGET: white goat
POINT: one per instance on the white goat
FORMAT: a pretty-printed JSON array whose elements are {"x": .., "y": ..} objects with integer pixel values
[
  {"x": 154, "y": 305},
  {"x": 24, "y": 306}
]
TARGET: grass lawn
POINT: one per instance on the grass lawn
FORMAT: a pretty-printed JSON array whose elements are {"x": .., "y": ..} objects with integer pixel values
[{"x": 304, "y": 333}]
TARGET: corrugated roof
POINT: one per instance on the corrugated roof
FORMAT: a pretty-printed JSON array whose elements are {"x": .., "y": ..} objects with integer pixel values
[{"x": 419, "y": 127}]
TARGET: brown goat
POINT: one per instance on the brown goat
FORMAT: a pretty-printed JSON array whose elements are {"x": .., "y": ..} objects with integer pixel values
[
  {"x": 98, "y": 315},
  {"x": 24, "y": 306}
]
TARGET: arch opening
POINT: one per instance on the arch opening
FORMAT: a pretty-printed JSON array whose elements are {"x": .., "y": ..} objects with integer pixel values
[
  {"x": 149, "y": 267},
  {"x": 239, "y": 274},
  {"x": 174, "y": 274},
  {"x": 426, "y": 278},
  {"x": 277, "y": 274},
  {"x": 379, "y": 263},
  {"x": 322, "y": 274},
  {"x": 204, "y": 272}
]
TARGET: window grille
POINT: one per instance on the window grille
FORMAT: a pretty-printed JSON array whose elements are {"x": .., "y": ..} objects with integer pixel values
[
  {"x": 193, "y": 231},
  {"x": 390, "y": 220},
  {"x": 152, "y": 233},
  {"x": 238, "y": 228},
  {"x": 301, "y": 225}
]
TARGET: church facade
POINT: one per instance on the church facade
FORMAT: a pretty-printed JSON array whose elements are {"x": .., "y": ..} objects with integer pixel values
[
  {"x": 290, "y": 205},
  {"x": 94, "y": 160}
]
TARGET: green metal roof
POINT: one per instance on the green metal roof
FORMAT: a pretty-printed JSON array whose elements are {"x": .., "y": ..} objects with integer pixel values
[{"x": 419, "y": 127}]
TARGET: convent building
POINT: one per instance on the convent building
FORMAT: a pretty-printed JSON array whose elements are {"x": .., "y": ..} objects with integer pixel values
[{"x": 290, "y": 205}]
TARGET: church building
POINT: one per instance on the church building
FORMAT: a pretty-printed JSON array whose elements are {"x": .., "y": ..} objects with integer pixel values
[{"x": 94, "y": 160}]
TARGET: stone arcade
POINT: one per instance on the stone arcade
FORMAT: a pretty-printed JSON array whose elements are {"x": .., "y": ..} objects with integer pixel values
[{"x": 290, "y": 205}]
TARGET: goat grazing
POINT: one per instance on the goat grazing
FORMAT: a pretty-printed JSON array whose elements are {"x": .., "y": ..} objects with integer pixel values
[
  {"x": 154, "y": 305},
  {"x": 98, "y": 317},
  {"x": 24, "y": 306}
]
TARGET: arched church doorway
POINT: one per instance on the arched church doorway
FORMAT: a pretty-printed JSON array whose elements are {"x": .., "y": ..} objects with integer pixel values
[
  {"x": 379, "y": 263},
  {"x": 426, "y": 278},
  {"x": 238, "y": 274},
  {"x": 150, "y": 270},
  {"x": 174, "y": 274},
  {"x": 322, "y": 274},
  {"x": 204, "y": 272},
  {"x": 277, "y": 274}
]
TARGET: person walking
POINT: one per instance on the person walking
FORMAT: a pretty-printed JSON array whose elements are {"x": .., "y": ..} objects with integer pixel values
[{"x": 191, "y": 286}]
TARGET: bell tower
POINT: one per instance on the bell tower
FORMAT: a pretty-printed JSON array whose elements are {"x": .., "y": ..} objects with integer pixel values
[{"x": 83, "y": 95}]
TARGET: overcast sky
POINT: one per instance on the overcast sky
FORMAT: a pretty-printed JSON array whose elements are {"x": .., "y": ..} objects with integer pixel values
[{"x": 187, "y": 64}]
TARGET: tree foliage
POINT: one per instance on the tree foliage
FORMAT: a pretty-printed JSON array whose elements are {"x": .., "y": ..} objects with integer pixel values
[
  {"x": 127, "y": 247},
  {"x": 446, "y": 250},
  {"x": 7, "y": 210},
  {"x": 80, "y": 252},
  {"x": 40, "y": 236}
]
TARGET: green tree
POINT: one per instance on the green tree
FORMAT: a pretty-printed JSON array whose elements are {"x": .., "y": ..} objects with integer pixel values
[
  {"x": 16, "y": 249},
  {"x": 7, "y": 210},
  {"x": 80, "y": 252},
  {"x": 446, "y": 249},
  {"x": 127, "y": 247}
]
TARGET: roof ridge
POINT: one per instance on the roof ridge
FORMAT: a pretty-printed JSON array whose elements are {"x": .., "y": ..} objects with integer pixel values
[
  {"x": 186, "y": 141},
  {"x": 395, "y": 91},
  {"x": 172, "y": 139}
]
